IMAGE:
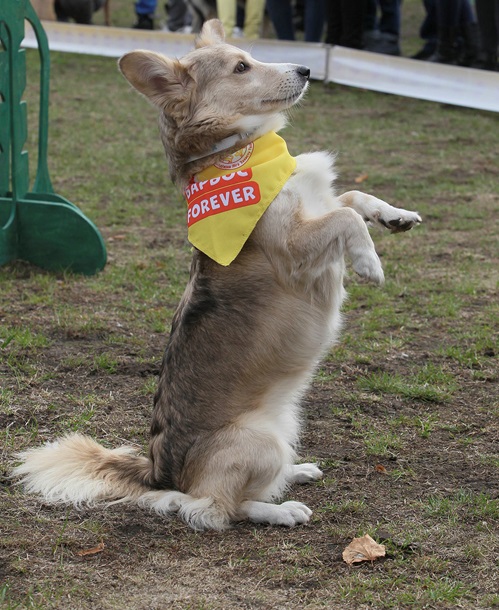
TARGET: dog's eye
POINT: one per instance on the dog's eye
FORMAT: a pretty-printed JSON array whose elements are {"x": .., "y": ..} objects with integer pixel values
[{"x": 241, "y": 67}]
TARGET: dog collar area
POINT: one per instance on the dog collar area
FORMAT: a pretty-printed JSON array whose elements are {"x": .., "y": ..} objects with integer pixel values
[{"x": 223, "y": 145}]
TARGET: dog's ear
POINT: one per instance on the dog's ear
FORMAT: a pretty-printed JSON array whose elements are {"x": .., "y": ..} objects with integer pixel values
[
  {"x": 212, "y": 32},
  {"x": 164, "y": 82}
]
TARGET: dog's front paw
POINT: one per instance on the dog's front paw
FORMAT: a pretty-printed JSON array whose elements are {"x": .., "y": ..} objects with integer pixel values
[
  {"x": 397, "y": 220},
  {"x": 368, "y": 265},
  {"x": 293, "y": 513},
  {"x": 304, "y": 473}
]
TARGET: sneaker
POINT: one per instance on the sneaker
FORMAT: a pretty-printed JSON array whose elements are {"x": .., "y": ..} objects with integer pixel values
[
  {"x": 371, "y": 39},
  {"x": 186, "y": 29},
  {"x": 144, "y": 22},
  {"x": 425, "y": 52},
  {"x": 387, "y": 44}
]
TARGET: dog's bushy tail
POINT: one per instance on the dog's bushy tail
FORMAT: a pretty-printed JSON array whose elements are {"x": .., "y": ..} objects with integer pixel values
[{"x": 77, "y": 470}]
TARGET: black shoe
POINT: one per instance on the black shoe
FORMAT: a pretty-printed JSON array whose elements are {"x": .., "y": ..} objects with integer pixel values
[
  {"x": 488, "y": 62},
  {"x": 426, "y": 52},
  {"x": 144, "y": 22},
  {"x": 471, "y": 45},
  {"x": 447, "y": 49},
  {"x": 381, "y": 42}
]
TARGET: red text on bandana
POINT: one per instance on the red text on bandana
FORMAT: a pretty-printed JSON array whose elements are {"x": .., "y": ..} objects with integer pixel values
[{"x": 220, "y": 194}]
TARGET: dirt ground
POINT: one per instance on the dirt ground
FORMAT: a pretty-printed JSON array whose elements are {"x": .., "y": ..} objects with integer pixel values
[
  {"x": 150, "y": 562},
  {"x": 402, "y": 416}
]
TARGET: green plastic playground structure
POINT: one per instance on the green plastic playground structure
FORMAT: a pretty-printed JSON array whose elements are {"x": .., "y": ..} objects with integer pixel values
[{"x": 37, "y": 226}]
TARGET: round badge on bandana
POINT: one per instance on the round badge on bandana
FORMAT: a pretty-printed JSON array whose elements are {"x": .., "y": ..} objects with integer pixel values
[{"x": 236, "y": 159}]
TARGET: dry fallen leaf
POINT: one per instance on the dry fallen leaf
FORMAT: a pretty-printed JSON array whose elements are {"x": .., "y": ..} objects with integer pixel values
[
  {"x": 363, "y": 549},
  {"x": 96, "y": 549},
  {"x": 361, "y": 178}
]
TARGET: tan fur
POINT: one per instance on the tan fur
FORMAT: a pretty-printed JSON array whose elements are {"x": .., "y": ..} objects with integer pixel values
[{"x": 246, "y": 338}]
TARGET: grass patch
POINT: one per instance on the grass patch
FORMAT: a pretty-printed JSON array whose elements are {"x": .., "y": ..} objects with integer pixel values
[
  {"x": 477, "y": 505},
  {"x": 396, "y": 592},
  {"x": 431, "y": 384},
  {"x": 411, "y": 386},
  {"x": 381, "y": 444},
  {"x": 21, "y": 339}
]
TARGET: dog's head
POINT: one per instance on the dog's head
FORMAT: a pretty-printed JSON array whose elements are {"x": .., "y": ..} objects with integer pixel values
[{"x": 213, "y": 92}]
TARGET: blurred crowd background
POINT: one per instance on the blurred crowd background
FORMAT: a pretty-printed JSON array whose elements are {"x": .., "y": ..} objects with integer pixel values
[{"x": 455, "y": 32}]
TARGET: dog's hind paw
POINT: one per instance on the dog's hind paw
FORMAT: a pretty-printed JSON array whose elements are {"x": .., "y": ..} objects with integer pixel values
[
  {"x": 162, "y": 502},
  {"x": 287, "y": 514}
]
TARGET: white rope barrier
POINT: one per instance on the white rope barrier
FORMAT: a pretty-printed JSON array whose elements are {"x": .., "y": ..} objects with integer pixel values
[{"x": 396, "y": 75}]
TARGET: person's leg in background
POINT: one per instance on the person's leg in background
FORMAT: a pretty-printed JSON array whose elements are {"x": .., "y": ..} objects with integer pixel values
[
  {"x": 352, "y": 23},
  {"x": 345, "y": 23},
  {"x": 470, "y": 34},
  {"x": 458, "y": 36},
  {"x": 226, "y": 10},
  {"x": 448, "y": 32},
  {"x": 176, "y": 15},
  {"x": 382, "y": 35},
  {"x": 488, "y": 21},
  {"x": 253, "y": 18},
  {"x": 281, "y": 15},
  {"x": 314, "y": 20},
  {"x": 371, "y": 29},
  {"x": 145, "y": 9},
  {"x": 428, "y": 31},
  {"x": 389, "y": 26}
]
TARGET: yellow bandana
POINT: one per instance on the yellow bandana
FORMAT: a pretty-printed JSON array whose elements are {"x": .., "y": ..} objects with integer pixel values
[{"x": 226, "y": 200}]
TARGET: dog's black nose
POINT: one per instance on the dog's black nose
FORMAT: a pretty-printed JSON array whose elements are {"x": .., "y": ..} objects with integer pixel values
[{"x": 303, "y": 71}]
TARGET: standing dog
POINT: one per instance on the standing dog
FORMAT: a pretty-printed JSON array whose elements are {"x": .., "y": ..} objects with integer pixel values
[{"x": 247, "y": 336}]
